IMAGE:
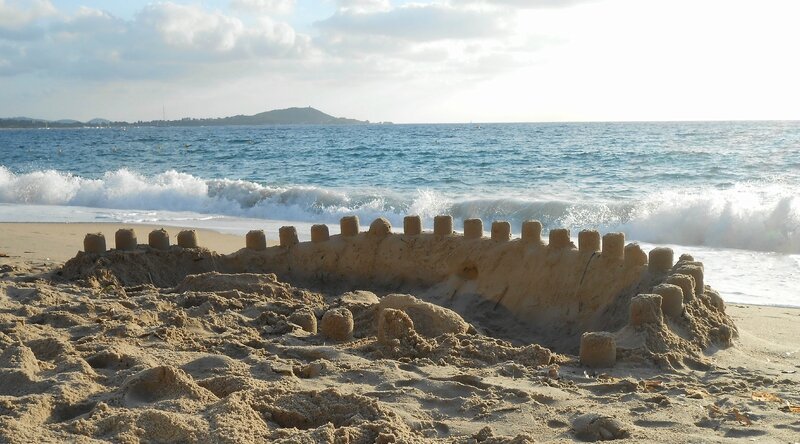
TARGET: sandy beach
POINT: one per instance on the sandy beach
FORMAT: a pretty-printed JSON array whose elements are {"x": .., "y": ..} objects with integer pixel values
[
  {"x": 58, "y": 242},
  {"x": 253, "y": 357}
]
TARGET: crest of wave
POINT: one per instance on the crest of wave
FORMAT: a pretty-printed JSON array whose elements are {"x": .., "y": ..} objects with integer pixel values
[{"x": 764, "y": 217}]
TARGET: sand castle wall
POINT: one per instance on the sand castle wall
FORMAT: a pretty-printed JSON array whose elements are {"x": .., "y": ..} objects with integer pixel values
[
  {"x": 557, "y": 290},
  {"x": 538, "y": 282}
]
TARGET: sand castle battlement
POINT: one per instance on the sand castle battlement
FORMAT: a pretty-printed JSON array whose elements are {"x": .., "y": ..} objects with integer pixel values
[{"x": 555, "y": 290}]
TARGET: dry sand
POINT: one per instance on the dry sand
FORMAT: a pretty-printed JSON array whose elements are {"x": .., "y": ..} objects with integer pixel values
[
  {"x": 236, "y": 358},
  {"x": 57, "y": 242}
]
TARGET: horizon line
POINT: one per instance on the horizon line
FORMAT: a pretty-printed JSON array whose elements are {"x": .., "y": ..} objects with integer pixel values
[{"x": 383, "y": 122}]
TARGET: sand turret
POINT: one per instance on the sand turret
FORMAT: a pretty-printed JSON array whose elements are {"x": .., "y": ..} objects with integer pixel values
[
  {"x": 125, "y": 239},
  {"x": 646, "y": 309},
  {"x": 559, "y": 238},
  {"x": 443, "y": 225},
  {"x": 158, "y": 239},
  {"x": 412, "y": 225},
  {"x": 686, "y": 282},
  {"x": 94, "y": 243},
  {"x": 501, "y": 231},
  {"x": 187, "y": 239},
  {"x": 613, "y": 246},
  {"x": 598, "y": 350},
  {"x": 695, "y": 270},
  {"x": 380, "y": 228},
  {"x": 337, "y": 324},
  {"x": 305, "y": 319},
  {"x": 320, "y": 233},
  {"x": 349, "y": 226},
  {"x": 589, "y": 241},
  {"x": 532, "y": 232},
  {"x": 473, "y": 228},
  {"x": 634, "y": 256},
  {"x": 661, "y": 259},
  {"x": 671, "y": 299},
  {"x": 256, "y": 240},
  {"x": 288, "y": 236}
]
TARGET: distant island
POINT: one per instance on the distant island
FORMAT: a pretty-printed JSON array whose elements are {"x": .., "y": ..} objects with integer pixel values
[{"x": 288, "y": 116}]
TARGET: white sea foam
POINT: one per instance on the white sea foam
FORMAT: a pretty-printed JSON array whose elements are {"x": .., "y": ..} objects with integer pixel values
[
  {"x": 760, "y": 217},
  {"x": 765, "y": 218}
]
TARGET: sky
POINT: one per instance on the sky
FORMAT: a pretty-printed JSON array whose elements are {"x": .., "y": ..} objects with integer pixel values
[{"x": 402, "y": 61}]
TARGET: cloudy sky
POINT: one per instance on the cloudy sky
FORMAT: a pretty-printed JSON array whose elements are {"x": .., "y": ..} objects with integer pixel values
[{"x": 402, "y": 60}]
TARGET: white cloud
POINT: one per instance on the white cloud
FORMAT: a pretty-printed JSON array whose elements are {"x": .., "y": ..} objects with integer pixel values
[
  {"x": 189, "y": 27},
  {"x": 424, "y": 40},
  {"x": 15, "y": 14},
  {"x": 415, "y": 23},
  {"x": 264, "y": 7},
  {"x": 87, "y": 22},
  {"x": 193, "y": 30},
  {"x": 168, "y": 40},
  {"x": 521, "y": 4},
  {"x": 164, "y": 40},
  {"x": 363, "y": 6},
  {"x": 19, "y": 20}
]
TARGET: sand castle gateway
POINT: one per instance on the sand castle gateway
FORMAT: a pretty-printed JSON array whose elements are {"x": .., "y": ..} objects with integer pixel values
[{"x": 604, "y": 299}]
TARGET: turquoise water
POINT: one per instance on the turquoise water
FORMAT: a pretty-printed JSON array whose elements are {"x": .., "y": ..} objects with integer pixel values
[{"x": 715, "y": 187}]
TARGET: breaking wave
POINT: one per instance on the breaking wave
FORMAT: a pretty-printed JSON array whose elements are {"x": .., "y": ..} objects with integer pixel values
[{"x": 761, "y": 217}]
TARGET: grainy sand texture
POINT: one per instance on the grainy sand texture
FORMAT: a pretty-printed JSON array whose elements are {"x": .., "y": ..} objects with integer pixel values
[{"x": 380, "y": 338}]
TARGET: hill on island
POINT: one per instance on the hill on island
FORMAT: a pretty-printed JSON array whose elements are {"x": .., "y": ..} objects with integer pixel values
[{"x": 288, "y": 116}]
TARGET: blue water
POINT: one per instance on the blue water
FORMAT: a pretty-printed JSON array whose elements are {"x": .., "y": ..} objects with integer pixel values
[
  {"x": 710, "y": 187},
  {"x": 606, "y": 161}
]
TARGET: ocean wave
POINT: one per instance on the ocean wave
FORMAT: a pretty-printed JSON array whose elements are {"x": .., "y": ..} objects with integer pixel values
[{"x": 761, "y": 217}]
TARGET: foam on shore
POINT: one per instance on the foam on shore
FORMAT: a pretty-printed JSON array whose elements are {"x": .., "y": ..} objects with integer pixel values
[{"x": 747, "y": 216}]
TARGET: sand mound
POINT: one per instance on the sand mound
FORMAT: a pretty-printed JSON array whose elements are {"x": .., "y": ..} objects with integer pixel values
[
  {"x": 162, "y": 268},
  {"x": 394, "y": 326},
  {"x": 19, "y": 370},
  {"x": 161, "y": 385},
  {"x": 266, "y": 284},
  {"x": 429, "y": 320},
  {"x": 469, "y": 351},
  {"x": 233, "y": 420},
  {"x": 145, "y": 425},
  {"x": 312, "y": 409},
  {"x": 593, "y": 427},
  {"x": 396, "y": 332}
]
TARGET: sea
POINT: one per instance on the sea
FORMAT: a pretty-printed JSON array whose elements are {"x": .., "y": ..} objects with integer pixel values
[{"x": 727, "y": 193}]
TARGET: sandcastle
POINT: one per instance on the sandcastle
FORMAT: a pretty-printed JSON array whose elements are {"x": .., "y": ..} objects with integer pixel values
[{"x": 604, "y": 296}]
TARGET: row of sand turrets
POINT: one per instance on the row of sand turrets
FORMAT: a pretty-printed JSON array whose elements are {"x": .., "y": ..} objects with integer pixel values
[
  {"x": 601, "y": 297},
  {"x": 125, "y": 240},
  {"x": 613, "y": 244}
]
